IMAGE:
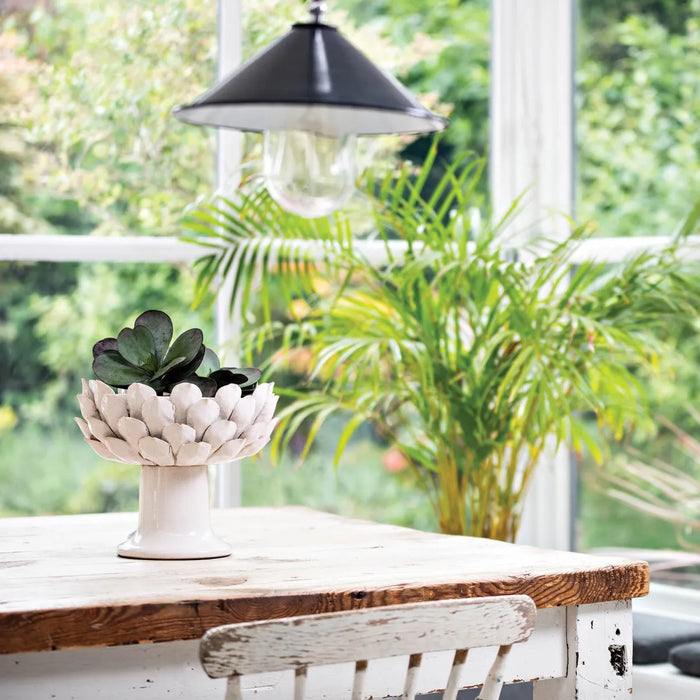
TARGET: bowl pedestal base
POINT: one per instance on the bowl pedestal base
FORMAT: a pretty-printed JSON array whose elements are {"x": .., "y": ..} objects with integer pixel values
[{"x": 174, "y": 516}]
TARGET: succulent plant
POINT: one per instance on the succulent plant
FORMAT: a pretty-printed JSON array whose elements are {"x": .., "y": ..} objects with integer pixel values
[{"x": 144, "y": 355}]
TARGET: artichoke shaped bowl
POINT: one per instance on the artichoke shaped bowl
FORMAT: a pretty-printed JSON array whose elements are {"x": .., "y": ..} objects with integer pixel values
[
  {"x": 182, "y": 429},
  {"x": 174, "y": 438}
]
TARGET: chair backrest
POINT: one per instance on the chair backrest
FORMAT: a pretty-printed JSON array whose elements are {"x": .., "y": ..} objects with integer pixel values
[{"x": 412, "y": 629}]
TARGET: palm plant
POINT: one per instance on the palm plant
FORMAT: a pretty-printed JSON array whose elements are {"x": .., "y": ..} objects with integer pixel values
[{"x": 467, "y": 359}]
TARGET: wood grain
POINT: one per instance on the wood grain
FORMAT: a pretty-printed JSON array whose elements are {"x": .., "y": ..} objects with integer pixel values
[{"x": 62, "y": 585}]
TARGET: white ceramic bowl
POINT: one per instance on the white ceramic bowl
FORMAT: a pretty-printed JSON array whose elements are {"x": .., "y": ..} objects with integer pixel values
[{"x": 182, "y": 429}]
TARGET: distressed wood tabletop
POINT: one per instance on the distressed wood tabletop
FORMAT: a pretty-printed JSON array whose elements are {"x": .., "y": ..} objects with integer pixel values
[{"x": 62, "y": 585}]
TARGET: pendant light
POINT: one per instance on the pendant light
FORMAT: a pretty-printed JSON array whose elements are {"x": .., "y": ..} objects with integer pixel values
[{"x": 311, "y": 93}]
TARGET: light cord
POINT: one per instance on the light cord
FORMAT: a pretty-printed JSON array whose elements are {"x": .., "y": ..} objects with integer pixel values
[{"x": 317, "y": 8}]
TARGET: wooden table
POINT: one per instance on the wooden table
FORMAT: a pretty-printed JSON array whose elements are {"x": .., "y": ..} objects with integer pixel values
[{"x": 63, "y": 588}]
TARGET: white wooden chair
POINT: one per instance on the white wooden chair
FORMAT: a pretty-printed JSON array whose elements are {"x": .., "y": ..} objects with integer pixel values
[{"x": 232, "y": 651}]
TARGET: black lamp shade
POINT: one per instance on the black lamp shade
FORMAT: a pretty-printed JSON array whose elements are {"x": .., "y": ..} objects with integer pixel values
[{"x": 311, "y": 79}]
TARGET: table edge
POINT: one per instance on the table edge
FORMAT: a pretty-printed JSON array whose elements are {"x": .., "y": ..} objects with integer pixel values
[{"x": 120, "y": 624}]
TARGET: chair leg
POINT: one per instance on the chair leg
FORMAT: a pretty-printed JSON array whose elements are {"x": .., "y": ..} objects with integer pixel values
[
  {"x": 491, "y": 689},
  {"x": 455, "y": 674},
  {"x": 409, "y": 690}
]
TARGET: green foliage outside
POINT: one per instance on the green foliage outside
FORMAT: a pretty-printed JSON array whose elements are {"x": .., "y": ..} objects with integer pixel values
[
  {"x": 639, "y": 145},
  {"x": 361, "y": 487},
  {"x": 102, "y": 157},
  {"x": 10, "y": 158},
  {"x": 90, "y": 148},
  {"x": 94, "y": 86},
  {"x": 106, "y": 153},
  {"x": 456, "y": 71},
  {"x": 39, "y": 378}
]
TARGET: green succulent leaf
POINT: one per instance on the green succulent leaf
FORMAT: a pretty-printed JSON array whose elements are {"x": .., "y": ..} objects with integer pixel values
[
  {"x": 181, "y": 371},
  {"x": 166, "y": 368},
  {"x": 102, "y": 346},
  {"x": 246, "y": 377},
  {"x": 114, "y": 370},
  {"x": 138, "y": 347},
  {"x": 161, "y": 328},
  {"x": 187, "y": 345},
  {"x": 210, "y": 363}
]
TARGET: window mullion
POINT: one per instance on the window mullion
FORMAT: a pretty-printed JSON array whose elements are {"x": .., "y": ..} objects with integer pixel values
[
  {"x": 531, "y": 155},
  {"x": 228, "y": 158}
]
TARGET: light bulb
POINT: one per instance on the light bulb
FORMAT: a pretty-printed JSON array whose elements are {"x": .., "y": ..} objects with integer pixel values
[{"x": 309, "y": 174}]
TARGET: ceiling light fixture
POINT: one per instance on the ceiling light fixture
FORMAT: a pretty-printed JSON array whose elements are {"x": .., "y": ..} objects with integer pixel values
[{"x": 311, "y": 93}]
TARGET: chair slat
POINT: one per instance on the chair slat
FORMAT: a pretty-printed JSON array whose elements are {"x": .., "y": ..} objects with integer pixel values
[
  {"x": 409, "y": 691},
  {"x": 358, "y": 684},
  {"x": 300, "y": 683},
  {"x": 233, "y": 688},
  {"x": 491, "y": 689},
  {"x": 395, "y": 630},
  {"x": 455, "y": 674}
]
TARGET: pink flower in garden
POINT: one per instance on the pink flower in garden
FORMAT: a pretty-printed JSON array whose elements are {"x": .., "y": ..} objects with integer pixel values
[{"x": 394, "y": 460}]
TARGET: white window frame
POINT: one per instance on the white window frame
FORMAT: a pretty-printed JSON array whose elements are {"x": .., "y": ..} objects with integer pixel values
[
  {"x": 531, "y": 155},
  {"x": 532, "y": 149}
]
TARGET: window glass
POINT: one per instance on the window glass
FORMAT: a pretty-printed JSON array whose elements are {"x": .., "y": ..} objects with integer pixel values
[
  {"x": 93, "y": 150},
  {"x": 51, "y": 316},
  {"x": 89, "y": 88},
  {"x": 88, "y": 147},
  {"x": 638, "y": 82},
  {"x": 644, "y": 493},
  {"x": 638, "y": 156}
]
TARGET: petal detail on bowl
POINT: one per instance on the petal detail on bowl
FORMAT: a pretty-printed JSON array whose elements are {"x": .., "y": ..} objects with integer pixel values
[
  {"x": 102, "y": 450},
  {"x": 242, "y": 415},
  {"x": 182, "y": 397},
  {"x": 227, "y": 397},
  {"x": 157, "y": 412},
  {"x": 99, "y": 391},
  {"x": 84, "y": 428},
  {"x": 252, "y": 448},
  {"x": 257, "y": 432},
  {"x": 157, "y": 451},
  {"x": 123, "y": 451},
  {"x": 87, "y": 407},
  {"x": 268, "y": 410},
  {"x": 112, "y": 407},
  {"x": 132, "y": 430},
  {"x": 261, "y": 430},
  {"x": 177, "y": 435},
  {"x": 99, "y": 429},
  {"x": 201, "y": 414},
  {"x": 136, "y": 394},
  {"x": 219, "y": 432},
  {"x": 227, "y": 452},
  {"x": 261, "y": 394},
  {"x": 192, "y": 454},
  {"x": 86, "y": 387}
]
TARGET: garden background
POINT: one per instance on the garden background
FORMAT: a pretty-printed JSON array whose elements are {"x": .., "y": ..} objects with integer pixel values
[{"x": 88, "y": 148}]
